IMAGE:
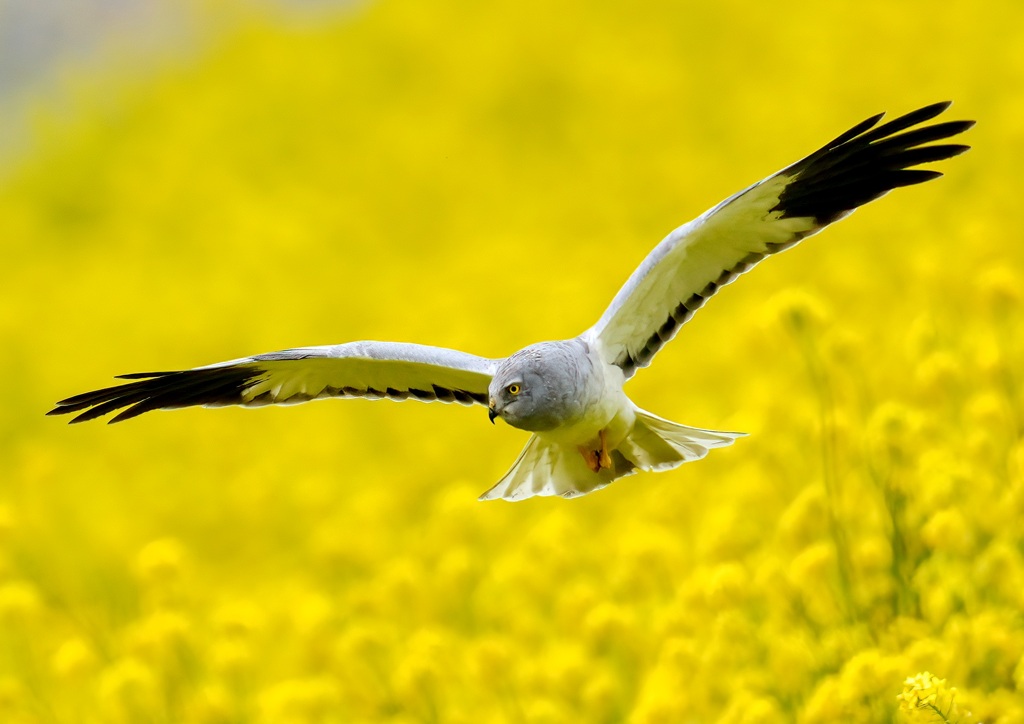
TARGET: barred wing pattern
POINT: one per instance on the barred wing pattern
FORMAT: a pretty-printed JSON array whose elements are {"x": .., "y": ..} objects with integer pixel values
[
  {"x": 698, "y": 258},
  {"x": 358, "y": 369}
]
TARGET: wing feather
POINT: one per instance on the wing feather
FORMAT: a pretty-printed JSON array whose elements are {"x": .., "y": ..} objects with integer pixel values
[
  {"x": 693, "y": 262},
  {"x": 375, "y": 370}
]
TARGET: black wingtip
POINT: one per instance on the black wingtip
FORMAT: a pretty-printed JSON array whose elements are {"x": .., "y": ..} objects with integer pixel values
[
  {"x": 930, "y": 111},
  {"x": 862, "y": 127},
  {"x": 64, "y": 409},
  {"x": 160, "y": 390},
  {"x": 868, "y": 161},
  {"x": 955, "y": 149}
]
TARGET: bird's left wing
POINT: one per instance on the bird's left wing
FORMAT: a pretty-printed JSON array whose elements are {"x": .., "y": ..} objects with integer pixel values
[
  {"x": 698, "y": 258},
  {"x": 358, "y": 369}
]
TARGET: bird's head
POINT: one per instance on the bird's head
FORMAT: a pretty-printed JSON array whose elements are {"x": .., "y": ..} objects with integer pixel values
[{"x": 519, "y": 394}]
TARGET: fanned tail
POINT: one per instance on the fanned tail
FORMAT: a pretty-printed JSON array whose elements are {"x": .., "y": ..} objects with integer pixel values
[
  {"x": 654, "y": 444},
  {"x": 659, "y": 444}
]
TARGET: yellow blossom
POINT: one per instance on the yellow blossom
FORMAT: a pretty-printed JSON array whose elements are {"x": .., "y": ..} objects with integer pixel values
[
  {"x": 12, "y": 695},
  {"x": 159, "y": 638},
  {"x": 160, "y": 560},
  {"x": 727, "y": 585},
  {"x": 937, "y": 374},
  {"x": 1000, "y": 288},
  {"x": 824, "y": 704},
  {"x": 928, "y": 694},
  {"x": 230, "y": 656},
  {"x": 213, "y": 704},
  {"x": 239, "y": 619},
  {"x": 608, "y": 625},
  {"x": 663, "y": 698},
  {"x": 812, "y": 566},
  {"x": 601, "y": 697},
  {"x": 804, "y": 520},
  {"x": 74, "y": 658},
  {"x": 546, "y": 711},
  {"x": 752, "y": 709},
  {"x": 19, "y": 600},
  {"x": 792, "y": 659},
  {"x": 311, "y": 614},
  {"x": 893, "y": 434},
  {"x": 402, "y": 171},
  {"x": 298, "y": 700},
  {"x": 797, "y": 310},
  {"x": 491, "y": 659},
  {"x": 948, "y": 531},
  {"x": 127, "y": 689},
  {"x": 7, "y": 521},
  {"x": 420, "y": 674},
  {"x": 989, "y": 411}
]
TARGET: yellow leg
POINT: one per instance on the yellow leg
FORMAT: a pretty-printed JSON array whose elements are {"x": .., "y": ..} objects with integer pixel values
[
  {"x": 599, "y": 459},
  {"x": 591, "y": 458},
  {"x": 604, "y": 460}
]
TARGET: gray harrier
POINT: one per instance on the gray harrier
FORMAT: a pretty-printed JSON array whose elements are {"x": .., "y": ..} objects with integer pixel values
[{"x": 569, "y": 393}]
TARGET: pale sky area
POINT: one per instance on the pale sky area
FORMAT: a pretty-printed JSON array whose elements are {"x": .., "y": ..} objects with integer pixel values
[
  {"x": 43, "y": 42},
  {"x": 38, "y": 37}
]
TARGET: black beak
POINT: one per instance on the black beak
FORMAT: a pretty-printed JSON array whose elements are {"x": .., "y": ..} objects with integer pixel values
[{"x": 491, "y": 414}]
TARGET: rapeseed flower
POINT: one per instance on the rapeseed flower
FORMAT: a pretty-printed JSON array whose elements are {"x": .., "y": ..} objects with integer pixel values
[
  {"x": 74, "y": 658},
  {"x": 462, "y": 174},
  {"x": 927, "y": 698}
]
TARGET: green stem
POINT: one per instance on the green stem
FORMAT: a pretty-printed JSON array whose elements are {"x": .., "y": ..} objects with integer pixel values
[
  {"x": 938, "y": 712},
  {"x": 829, "y": 445}
]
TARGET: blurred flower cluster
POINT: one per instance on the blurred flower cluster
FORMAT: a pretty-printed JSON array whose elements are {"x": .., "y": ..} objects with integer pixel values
[
  {"x": 927, "y": 697},
  {"x": 482, "y": 176}
]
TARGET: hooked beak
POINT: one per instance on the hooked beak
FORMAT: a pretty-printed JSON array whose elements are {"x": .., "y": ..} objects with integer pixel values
[{"x": 491, "y": 412}]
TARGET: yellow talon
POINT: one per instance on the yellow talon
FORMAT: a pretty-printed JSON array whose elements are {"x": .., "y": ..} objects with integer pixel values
[
  {"x": 597, "y": 460},
  {"x": 591, "y": 457},
  {"x": 604, "y": 459}
]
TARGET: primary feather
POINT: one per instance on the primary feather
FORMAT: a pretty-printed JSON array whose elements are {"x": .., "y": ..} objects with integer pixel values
[
  {"x": 698, "y": 258},
  {"x": 570, "y": 393},
  {"x": 357, "y": 369}
]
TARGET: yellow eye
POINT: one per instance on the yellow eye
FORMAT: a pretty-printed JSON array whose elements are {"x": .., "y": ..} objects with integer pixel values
[{"x": 514, "y": 389}]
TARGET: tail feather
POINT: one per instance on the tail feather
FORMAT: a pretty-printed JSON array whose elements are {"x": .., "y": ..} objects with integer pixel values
[
  {"x": 654, "y": 444},
  {"x": 547, "y": 468},
  {"x": 646, "y": 444}
]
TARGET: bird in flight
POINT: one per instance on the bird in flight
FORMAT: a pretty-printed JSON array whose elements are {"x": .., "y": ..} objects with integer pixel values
[{"x": 569, "y": 393}]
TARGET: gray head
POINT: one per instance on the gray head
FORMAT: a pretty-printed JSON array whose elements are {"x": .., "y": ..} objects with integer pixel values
[{"x": 536, "y": 388}]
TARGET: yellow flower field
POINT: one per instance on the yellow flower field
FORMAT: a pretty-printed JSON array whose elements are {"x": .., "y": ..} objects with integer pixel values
[{"x": 482, "y": 176}]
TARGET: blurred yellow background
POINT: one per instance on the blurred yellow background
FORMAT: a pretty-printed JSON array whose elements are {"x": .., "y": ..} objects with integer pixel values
[{"x": 482, "y": 176}]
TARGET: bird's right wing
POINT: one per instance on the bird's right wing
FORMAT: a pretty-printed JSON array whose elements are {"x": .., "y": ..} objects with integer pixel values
[
  {"x": 700, "y": 257},
  {"x": 358, "y": 369}
]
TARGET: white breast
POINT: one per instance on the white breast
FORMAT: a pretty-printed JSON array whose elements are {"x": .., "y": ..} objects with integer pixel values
[{"x": 606, "y": 407}]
